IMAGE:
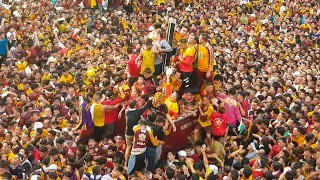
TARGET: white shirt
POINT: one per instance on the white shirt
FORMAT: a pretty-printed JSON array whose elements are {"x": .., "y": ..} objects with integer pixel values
[
  {"x": 29, "y": 71},
  {"x": 51, "y": 59},
  {"x": 282, "y": 9},
  {"x": 242, "y": 2},
  {"x": 12, "y": 33}
]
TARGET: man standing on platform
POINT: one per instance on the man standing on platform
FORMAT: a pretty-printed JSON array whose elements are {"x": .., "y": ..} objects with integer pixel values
[
  {"x": 185, "y": 60},
  {"x": 206, "y": 60},
  {"x": 162, "y": 47}
]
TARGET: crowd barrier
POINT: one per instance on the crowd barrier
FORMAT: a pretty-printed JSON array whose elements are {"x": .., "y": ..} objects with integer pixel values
[{"x": 175, "y": 140}]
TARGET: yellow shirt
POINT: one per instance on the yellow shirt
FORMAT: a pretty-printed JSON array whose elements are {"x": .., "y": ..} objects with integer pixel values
[
  {"x": 98, "y": 115},
  {"x": 21, "y": 66},
  {"x": 43, "y": 135},
  {"x": 124, "y": 24},
  {"x": 28, "y": 92},
  {"x": 173, "y": 108},
  {"x": 148, "y": 58},
  {"x": 208, "y": 113},
  {"x": 298, "y": 139},
  {"x": 10, "y": 156},
  {"x": 63, "y": 124},
  {"x": 84, "y": 21},
  {"x": 46, "y": 42},
  {"x": 203, "y": 58},
  {"x": 20, "y": 87},
  {"x": 62, "y": 27},
  {"x": 177, "y": 37},
  {"x": 46, "y": 77},
  {"x": 161, "y": 1},
  {"x": 93, "y": 3},
  {"x": 67, "y": 79}
]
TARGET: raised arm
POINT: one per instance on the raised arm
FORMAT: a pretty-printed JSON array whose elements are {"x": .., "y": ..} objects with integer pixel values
[
  {"x": 108, "y": 107},
  {"x": 235, "y": 153},
  {"x": 144, "y": 107},
  {"x": 204, "y": 155}
]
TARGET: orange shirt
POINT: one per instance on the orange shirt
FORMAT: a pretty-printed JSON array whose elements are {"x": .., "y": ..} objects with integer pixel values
[{"x": 203, "y": 58}]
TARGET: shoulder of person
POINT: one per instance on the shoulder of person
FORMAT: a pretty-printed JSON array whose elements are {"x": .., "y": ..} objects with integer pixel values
[{"x": 149, "y": 128}]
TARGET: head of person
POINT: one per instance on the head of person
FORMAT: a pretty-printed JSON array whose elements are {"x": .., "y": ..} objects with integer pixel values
[
  {"x": 184, "y": 31},
  {"x": 117, "y": 171},
  {"x": 149, "y": 44},
  {"x": 203, "y": 38},
  {"x": 182, "y": 43}
]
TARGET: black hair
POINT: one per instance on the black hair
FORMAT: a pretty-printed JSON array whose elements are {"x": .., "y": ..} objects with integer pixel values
[
  {"x": 198, "y": 166},
  {"x": 152, "y": 116},
  {"x": 132, "y": 104},
  {"x": 170, "y": 173},
  {"x": 247, "y": 171},
  {"x": 234, "y": 175}
]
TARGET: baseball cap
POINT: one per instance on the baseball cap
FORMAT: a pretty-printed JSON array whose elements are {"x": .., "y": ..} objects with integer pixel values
[
  {"x": 182, "y": 153},
  {"x": 53, "y": 167}
]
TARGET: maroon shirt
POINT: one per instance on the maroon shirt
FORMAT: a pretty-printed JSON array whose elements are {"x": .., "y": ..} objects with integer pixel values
[
  {"x": 33, "y": 96},
  {"x": 141, "y": 138},
  {"x": 246, "y": 107},
  {"x": 34, "y": 54},
  {"x": 23, "y": 118}
]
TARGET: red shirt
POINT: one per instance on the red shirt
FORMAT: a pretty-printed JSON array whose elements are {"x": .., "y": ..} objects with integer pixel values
[
  {"x": 99, "y": 1},
  {"x": 111, "y": 116},
  {"x": 134, "y": 67},
  {"x": 9, "y": 110},
  {"x": 218, "y": 123},
  {"x": 36, "y": 155},
  {"x": 310, "y": 128},
  {"x": 257, "y": 173},
  {"x": 186, "y": 64},
  {"x": 274, "y": 151},
  {"x": 138, "y": 104},
  {"x": 72, "y": 148}
]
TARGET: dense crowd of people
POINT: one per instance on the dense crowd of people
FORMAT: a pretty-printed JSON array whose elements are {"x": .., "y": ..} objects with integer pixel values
[{"x": 247, "y": 72}]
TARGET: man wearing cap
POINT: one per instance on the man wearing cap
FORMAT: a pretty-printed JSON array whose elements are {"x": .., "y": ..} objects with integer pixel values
[{"x": 182, "y": 156}]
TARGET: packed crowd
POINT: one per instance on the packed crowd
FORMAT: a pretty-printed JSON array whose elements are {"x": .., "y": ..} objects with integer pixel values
[{"x": 247, "y": 72}]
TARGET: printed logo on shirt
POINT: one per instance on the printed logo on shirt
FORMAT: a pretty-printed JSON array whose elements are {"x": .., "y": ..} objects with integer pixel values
[
  {"x": 200, "y": 55},
  {"x": 217, "y": 122}
]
